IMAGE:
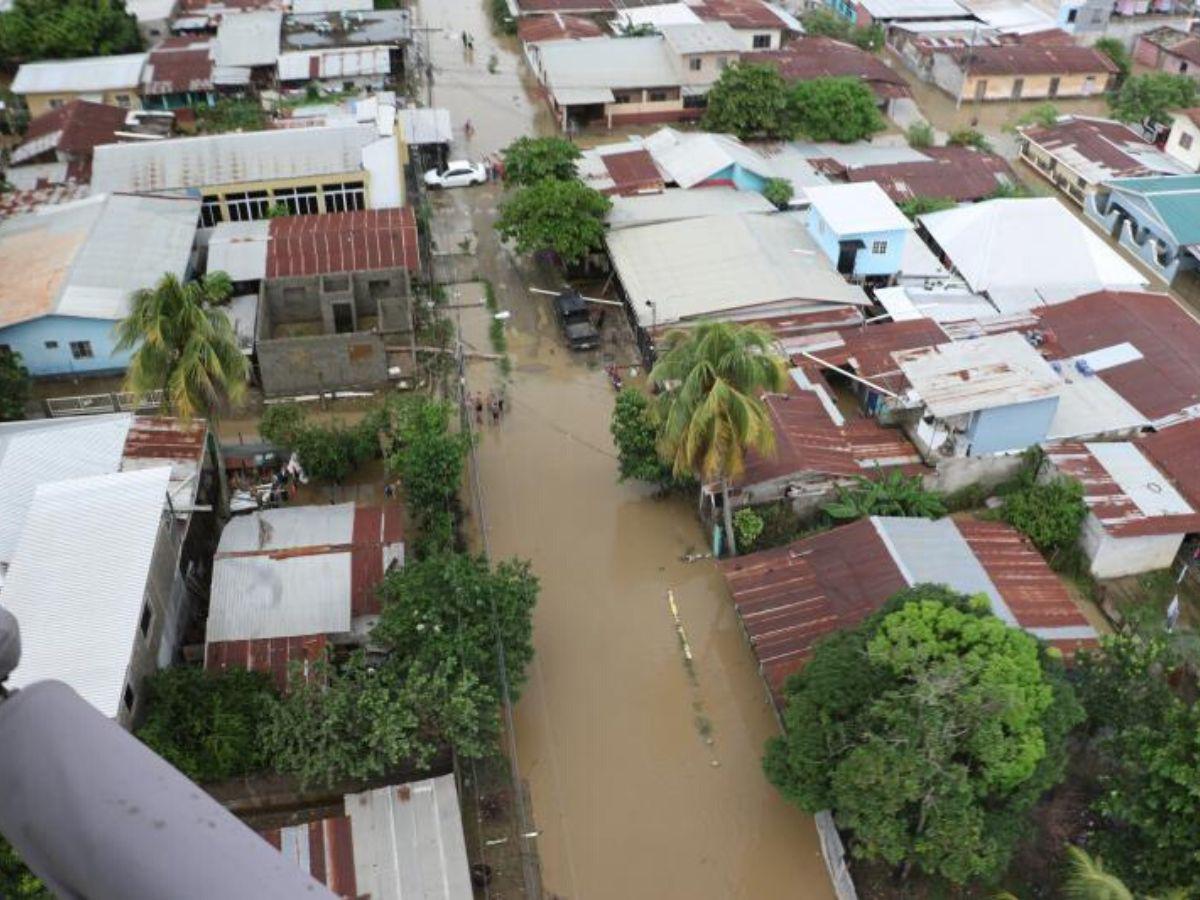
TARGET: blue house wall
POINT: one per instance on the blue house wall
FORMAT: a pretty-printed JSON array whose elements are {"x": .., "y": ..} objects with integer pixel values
[
  {"x": 868, "y": 261},
  {"x": 30, "y": 340},
  {"x": 1016, "y": 426},
  {"x": 742, "y": 179}
]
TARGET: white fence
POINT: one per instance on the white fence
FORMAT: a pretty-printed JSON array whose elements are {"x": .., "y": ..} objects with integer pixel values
[
  {"x": 98, "y": 404},
  {"x": 835, "y": 856}
]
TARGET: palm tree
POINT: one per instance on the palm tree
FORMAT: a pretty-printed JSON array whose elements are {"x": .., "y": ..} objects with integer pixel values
[
  {"x": 1087, "y": 879},
  {"x": 712, "y": 412},
  {"x": 185, "y": 345}
]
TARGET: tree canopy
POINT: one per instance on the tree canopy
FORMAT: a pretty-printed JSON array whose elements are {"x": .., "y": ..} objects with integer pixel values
[
  {"x": 750, "y": 101},
  {"x": 1152, "y": 96},
  {"x": 14, "y": 386},
  {"x": 1115, "y": 50},
  {"x": 930, "y": 731},
  {"x": 636, "y": 436},
  {"x": 528, "y": 160},
  {"x": 566, "y": 217},
  {"x": 834, "y": 109},
  {"x": 827, "y": 23},
  {"x": 66, "y": 29}
]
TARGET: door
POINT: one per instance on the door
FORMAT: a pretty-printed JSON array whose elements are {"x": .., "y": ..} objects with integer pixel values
[
  {"x": 981, "y": 89},
  {"x": 847, "y": 256},
  {"x": 1054, "y": 87},
  {"x": 1018, "y": 86},
  {"x": 343, "y": 318}
]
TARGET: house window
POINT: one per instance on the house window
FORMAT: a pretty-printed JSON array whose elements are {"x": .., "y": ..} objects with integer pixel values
[
  {"x": 123, "y": 100},
  {"x": 1185, "y": 141},
  {"x": 345, "y": 197},
  {"x": 81, "y": 349},
  {"x": 127, "y": 698},
  {"x": 658, "y": 96},
  {"x": 248, "y": 207},
  {"x": 1072, "y": 15},
  {"x": 695, "y": 63},
  {"x": 622, "y": 98},
  {"x": 762, "y": 42},
  {"x": 55, "y": 104},
  {"x": 879, "y": 247},
  {"x": 301, "y": 201},
  {"x": 144, "y": 624},
  {"x": 210, "y": 211},
  {"x": 51, "y": 345}
]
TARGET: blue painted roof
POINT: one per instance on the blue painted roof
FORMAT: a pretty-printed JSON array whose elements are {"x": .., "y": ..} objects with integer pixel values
[{"x": 1174, "y": 200}]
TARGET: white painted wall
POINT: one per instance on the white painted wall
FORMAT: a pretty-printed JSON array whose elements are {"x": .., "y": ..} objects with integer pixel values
[
  {"x": 1189, "y": 156},
  {"x": 1113, "y": 557}
]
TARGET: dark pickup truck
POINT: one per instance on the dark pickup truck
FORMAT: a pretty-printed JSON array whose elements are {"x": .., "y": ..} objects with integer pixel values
[{"x": 571, "y": 310}]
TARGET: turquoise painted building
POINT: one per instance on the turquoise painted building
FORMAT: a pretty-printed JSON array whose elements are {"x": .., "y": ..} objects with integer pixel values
[
  {"x": 67, "y": 273},
  {"x": 1157, "y": 219},
  {"x": 859, "y": 229}
]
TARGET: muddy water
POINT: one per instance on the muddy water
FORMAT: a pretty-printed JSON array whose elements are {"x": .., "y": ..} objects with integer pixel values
[{"x": 644, "y": 770}]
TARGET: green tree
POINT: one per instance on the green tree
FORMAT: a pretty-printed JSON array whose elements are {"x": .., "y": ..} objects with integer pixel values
[
  {"x": 1152, "y": 96},
  {"x": 14, "y": 386},
  {"x": 920, "y": 135},
  {"x": 930, "y": 730},
  {"x": 281, "y": 423},
  {"x": 1145, "y": 731},
  {"x": 1049, "y": 513},
  {"x": 206, "y": 724},
  {"x": 65, "y": 29},
  {"x": 834, "y": 109},
  {"x": 750, "y": 101},
  {"x": 826, "y": 23},
  {"x": 1087, "y": 879},
  {"x": 893, "y": 494},
  {"x": 969, "y": 137},
  {"x": 566, "y": 217},
  {"x": 1115, "y": 50},
  {"x": 528, "y": 160},
  {"x": 16, "y": 881},
  {"x": 778, "y": 191},
  {"x": 1043, "y": 115},
  {"x": 453, "y": 608},
  {"x": 749, "y": 526},
  {"x": 184, "y": 345},
  {"x": 430, "y": 461},
  {"x": 716, "y": 414},
  {"x": 634, "y": 432},
  {"x": 919, "y": 206}
]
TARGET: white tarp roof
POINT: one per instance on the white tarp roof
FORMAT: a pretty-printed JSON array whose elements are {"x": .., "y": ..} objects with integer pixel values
[
  {"x": 78, "y": 578},
  {"x": 80, "y": 76},
  {"x": 1028, "y": 252}
]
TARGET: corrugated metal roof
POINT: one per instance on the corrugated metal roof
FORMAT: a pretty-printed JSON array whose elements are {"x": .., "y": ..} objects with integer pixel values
[
  {"x": 633, "y": 172},
  {"x": 606, "y": 64},
  {"x": 239, "y": 249},
  {"x": 364, "y": 240},
  {"x": 673, "y": 205},
  {"x": 334, "y": 62},
  {"x": 690, "y": 158},
  {"x": 857, "y": 208},
  {"x": 94, "y": 74},
  {"x": 324, "y": 849},
  {"x": 86, "y": 258},
  {"x": 702, "y": 37},
  {"x": 49, "y": 450},
  {"x": 961, "y": 377},
  {"x": 290, "y": 526},
  {"x": 1099, "y": 149},
  {"x": 249, "y": 38},
  {"x": 233, "y": 158},
  {"x": 421, "y": 126},
  {"x": 78, "y": 579},
  {"x": 409, "y": 843},
  {"x": 807, "y": 58},
  {"x": 1174, "y": 200},
  {"x": 1176, "y": 452},
  {"x": 913, "y": 9},
  {"x": 958, "y": 173},
  {"x": 271, "y": 656}
]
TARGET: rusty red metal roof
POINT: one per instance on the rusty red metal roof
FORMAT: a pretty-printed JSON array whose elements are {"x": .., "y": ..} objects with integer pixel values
[
  {"x": 163, "y": 437},
  {"x": 178, "y": 65},
  {"x": 374, "y": 528},
  {"x": 807, "y": 58},
  {"x": 1166, "y": 380},
  {"x": 867, "y": 350},
  {"x": 573, "y": 6},
  {"x": 633, "y": 172},
  {"x": 363, "y": 240},
  {"x": 1033, "y": 59},
  {"x": 963, "y": 174},
  {"x": 1175, "y": 42},
  {"x": 1118, "y": 513},
  {"x": 80, "y": 124},
  {"x": 1176, "y": 453},
  {"x": 556, "y": 27},
  {"x": 790, "y": 597},
  {"x": 740, "y": 14},
  {"x": 271, "y": 656},
  {"x": 1099, "y": 141},
  {"x": 324, "y": 849}
]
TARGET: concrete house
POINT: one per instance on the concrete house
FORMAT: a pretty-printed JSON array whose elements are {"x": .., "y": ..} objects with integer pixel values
[
  {"x": 182, "y": 71},
  {"x": 1155, "y": 218},
  {"x": 858, "y": 228},
  {"x": 68, "y": 135},
  {"x": 1077, "y": 153},
  {"x": 962, "y": 174},
  {"x": 1183, "y": 141},
  {"x": 239, "y": 176},
  {"x": 807, "y": 58},
  {"x": 67, "y": 273},
  {"x": 1022, "y": 72},
  {"x": 1136, "y": 519},
  {"x": 344, "y": 50},
  {"x": 1169, "y": 50},
  {"x": 113, "y": 80}
]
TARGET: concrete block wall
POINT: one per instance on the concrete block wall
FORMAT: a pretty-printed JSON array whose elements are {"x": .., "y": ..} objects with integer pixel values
[{"x": 307, "y": 365}]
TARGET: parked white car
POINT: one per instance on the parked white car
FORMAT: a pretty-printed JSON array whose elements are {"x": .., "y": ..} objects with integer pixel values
[{"x": 458, "y": 173}]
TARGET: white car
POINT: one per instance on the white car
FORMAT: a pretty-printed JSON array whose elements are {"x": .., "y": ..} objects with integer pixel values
[{"x": 458, "y": 173}]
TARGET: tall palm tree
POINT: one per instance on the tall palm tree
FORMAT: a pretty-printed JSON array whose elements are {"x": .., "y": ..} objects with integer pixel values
[
  {"x": 1087, "y": 879},
  {"x": 184, "y": 345},
  {"x": 712, "y": 412}
]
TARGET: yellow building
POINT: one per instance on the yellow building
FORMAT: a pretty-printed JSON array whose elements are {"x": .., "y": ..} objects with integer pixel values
[
  {"x": 1022, "y": 72},
  {"x": 114, "y": 80}
]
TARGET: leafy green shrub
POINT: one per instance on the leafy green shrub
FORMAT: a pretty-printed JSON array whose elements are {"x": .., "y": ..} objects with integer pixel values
[
  {"x": 920, "y": 135},
  {"x": 14, "y": 386},
  {"x": 894, "y": 494},
  {"x": 1050, "y": 514},
  {"x": 17, "y": 882},
  {"x": 778, "y": 191},
  {"x": 636, "y": 437},
  {"x": 747, "y": 525},
  {"x": 281, "y": 424},
  {"x": 206, "y": 724},
  {"x": 919, "y": 206},
  {"x": 969, "y": 137},
  {"x": 496, "y": 334}
]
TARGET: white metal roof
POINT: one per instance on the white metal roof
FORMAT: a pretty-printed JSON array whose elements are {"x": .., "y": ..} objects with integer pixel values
[
  {"x": 425, "y": 126},
  {"x": 328, "y": 6},
  {"x": 858, "y": 208},
  {"x": 905, "y": 303},
  {"x": 720, "y": 264},
  {"x": 296, "y": 526},
  {"x": 860, "y": 153},
  {"x": 965, "y": 376},
  {"x": 78, "y": 579},
  {"x": 249, "y": 38},
  {"x": 579, "y": 71},
  {"x": 85, "y": 258},
  {"x": 913, "y": 9},
  {"x": 1089, "y": 407},
  {"x": 917, "y": 261},
  {"x": 1028, "y": 252},
  {"x": 675, "y": 204},
  {"x": 409, "y": 843},
  {"x": 237, "y": 157},
  {"x": 658, "y": 15},
  {"x": 80, "y": 76},
  {"x": 334, "y": 62},
  {"x": 1137, "y": 477},
  {"x": 689, "y": 158},
  {"x": 702, "y": 37},
  {"x": 151, "y": 10},
  {"x": 239, "y": 249}
]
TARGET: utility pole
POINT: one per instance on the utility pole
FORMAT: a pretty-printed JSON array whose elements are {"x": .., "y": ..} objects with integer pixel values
[{"x": 426, "y": 62}]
